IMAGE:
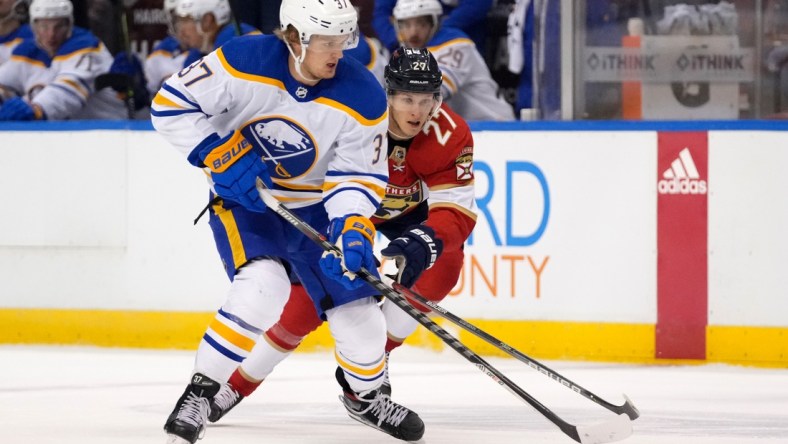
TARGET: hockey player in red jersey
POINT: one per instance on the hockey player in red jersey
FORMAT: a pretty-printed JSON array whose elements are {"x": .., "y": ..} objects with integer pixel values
[{"x": 428, "y": 212}]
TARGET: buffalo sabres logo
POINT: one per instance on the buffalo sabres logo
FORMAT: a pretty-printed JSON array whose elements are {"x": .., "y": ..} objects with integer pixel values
[
  {"x": 301, "y": 92},
  {"x": 398, "y": 158},
  {"x": 287, "y": 148}
]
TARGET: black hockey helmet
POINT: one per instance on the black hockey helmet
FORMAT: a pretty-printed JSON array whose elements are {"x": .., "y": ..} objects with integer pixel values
[{"x": 414, "y": 70}]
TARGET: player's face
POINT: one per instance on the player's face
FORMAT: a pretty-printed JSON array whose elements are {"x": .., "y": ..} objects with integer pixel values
[
  {"x": 187, "y": 33},
  {"x": 415, "y": 32},
  {"x": 410, "y": 111},
  {"x": 322, "y": 56},
  {"x": 51, "y": 33}
]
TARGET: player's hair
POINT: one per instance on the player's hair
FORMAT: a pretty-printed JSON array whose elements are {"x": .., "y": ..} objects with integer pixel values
[
  {"x": 196, "y": 9},
  {"x": 289, "y": 35},
  {"x": 413, "y": 70},
  {"x": 405, "y": 9}
]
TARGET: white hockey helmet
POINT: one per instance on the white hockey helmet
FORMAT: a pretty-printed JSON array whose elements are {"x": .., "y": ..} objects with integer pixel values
[
  {"x": 48, "y": 9},
  {"x": 310, "y": 17},
  {"x": 405, "y": 9},
  {"x": 51, "y": 9},
  {"x": 196, "y": 9}
]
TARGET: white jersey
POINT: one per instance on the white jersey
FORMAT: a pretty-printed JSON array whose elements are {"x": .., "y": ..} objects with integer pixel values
[
  {"x": 166, "y": 59},
  {"x": 468, "y": 86},
  {"x": 169, "y": 57},
  {"x": 321, "y": 143},
  {"x": 11, "y": 40},
  {"x": 63, "y": 85}
]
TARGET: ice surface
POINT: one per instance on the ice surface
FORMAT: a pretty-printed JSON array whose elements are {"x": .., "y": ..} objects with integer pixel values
[{"x": 84, "y": 395}]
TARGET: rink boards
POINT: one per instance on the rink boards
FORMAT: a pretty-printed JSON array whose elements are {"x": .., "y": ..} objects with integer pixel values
[{"x": 617, "y": 241}]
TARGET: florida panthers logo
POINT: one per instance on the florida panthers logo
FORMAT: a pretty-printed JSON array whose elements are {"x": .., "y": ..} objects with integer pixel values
[{"x": 287, "y": 148}]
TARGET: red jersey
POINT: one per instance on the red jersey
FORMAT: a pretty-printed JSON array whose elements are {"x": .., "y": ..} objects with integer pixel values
[{"x": 436, "y": 166}]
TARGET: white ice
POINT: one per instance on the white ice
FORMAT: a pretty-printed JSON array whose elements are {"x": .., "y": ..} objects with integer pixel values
[{"x": 82, "y": 395}]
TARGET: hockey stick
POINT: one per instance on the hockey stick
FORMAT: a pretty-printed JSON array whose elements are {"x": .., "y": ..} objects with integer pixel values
[
  {"x": 613, "y": 430},
  {"x": 627, "y": 408}
]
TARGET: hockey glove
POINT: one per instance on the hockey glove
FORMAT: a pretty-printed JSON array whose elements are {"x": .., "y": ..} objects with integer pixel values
[
  {"x": 18, "y": 109},
  {"x": 235, "y": 167},
  {"x": 414, "y": 251},
  {"x": 354, "y": 235}
]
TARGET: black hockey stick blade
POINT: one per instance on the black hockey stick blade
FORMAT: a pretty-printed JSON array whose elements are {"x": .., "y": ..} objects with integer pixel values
[
  {"x": 610, "y": 431},
  {"x": 628, "y": 408}
]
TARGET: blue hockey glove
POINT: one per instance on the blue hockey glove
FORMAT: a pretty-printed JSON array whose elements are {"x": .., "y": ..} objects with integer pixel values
[
  {"x": 130, "y": 66},
  {"x": 413, "y": 251},
  {"x": 354, "y": 235},
  {"x": 235, "y": 167},
  {"x": 18, "y": 109}
]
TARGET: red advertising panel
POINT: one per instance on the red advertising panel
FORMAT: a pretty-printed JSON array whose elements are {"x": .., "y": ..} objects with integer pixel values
[{"x": 682, "y": 228}]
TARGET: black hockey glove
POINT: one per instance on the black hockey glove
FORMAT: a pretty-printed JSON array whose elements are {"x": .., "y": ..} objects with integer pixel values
[{"x": 413, "y": 251}]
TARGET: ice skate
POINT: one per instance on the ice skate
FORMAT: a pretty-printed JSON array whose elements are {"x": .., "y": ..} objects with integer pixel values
[
  {"x": 186, "y": 423},
  {"x": 377, "y": 410},
  {"x": 385, "y": 388},
  {"x": 223, "y": 402}
]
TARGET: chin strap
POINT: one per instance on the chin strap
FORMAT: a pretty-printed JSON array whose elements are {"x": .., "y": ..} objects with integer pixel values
[{"x": 297, "y": 60}]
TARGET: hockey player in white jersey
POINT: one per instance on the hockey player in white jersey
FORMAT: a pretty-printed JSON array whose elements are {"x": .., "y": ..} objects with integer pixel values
[
  {"x": 52, "y": 76},
  {"x": 176, "y": 52},
  {"x": 206, "y": 25},
  {"x": 169, "y": 55},
  {"x": 12, "y": 30},
  {"x": 428, "y": 213},
  {"x": 289, "y": 110},
  {"x": 468, "y": 86}
]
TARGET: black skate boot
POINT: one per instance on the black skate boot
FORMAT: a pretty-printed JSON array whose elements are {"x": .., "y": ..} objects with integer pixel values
[
  {"x": 377, "y": 410},
  {"x": 186, "y": 423},
  {"x": 223, "y": 402}
]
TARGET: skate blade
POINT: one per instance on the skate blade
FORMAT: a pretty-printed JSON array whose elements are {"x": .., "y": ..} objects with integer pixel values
[{"x": 175, "y": 439}]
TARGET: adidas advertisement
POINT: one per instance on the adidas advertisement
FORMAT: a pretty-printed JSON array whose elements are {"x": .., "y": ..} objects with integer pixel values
[
  {"x": 682, "y": 244},
  {"x": 682, "y": 177}
]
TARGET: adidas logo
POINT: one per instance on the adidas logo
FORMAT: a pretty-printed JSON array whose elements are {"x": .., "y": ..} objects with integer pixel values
[{"x": 682, "y": 177}]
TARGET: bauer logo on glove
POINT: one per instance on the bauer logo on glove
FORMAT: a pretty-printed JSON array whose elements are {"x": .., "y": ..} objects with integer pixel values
[
  {"x": 226, "y": 154},
  {"x": 235, "y": 168},
  {"x": 353, "y": 235},
  {"x": 414, "y": 251}
]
